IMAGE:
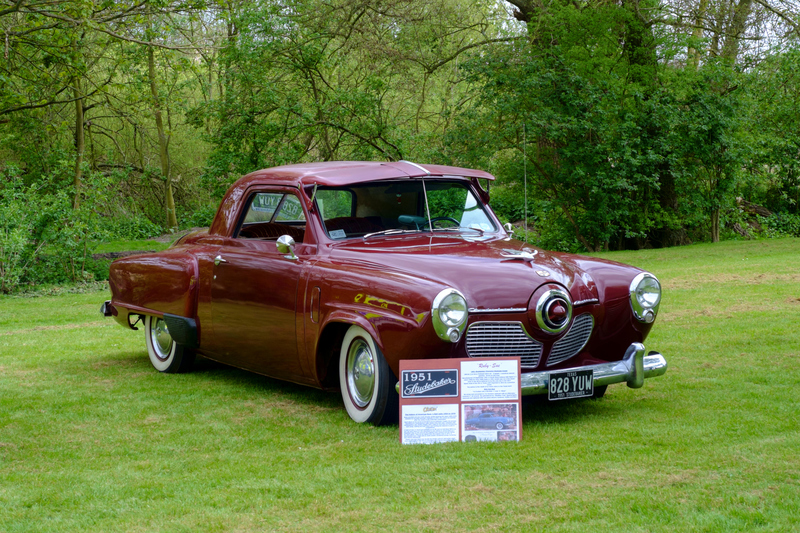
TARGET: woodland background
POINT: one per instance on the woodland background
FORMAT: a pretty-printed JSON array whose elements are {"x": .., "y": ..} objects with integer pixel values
[{"x": 639, "y": 123}]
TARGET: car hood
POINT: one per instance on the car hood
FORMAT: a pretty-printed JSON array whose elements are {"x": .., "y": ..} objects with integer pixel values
[{"x": 483, "y": 271}]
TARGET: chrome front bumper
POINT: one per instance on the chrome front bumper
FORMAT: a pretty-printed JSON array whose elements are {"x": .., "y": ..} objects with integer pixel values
[{"x": 634, "y": 368}]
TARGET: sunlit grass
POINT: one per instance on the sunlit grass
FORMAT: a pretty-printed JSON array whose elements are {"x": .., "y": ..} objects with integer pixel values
[{"x": 92, "y": 438}]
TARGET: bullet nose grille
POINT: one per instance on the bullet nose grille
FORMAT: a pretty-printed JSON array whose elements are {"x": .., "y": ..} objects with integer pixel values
[
  {"x": 573, "y": 342},
  {"x": 501, "y": 339}
]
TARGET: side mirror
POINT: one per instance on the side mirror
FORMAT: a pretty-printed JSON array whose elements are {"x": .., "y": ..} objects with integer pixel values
[
  {"x": 285, "y": 245},
  {"x": 509, "y": 228}
]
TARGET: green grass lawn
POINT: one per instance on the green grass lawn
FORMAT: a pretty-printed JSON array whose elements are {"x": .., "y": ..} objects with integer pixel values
[{"x": 93, "y": 439}]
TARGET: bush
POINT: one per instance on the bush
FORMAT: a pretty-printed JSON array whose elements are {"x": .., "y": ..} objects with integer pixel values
[
  {"x": 43, "y": 239},
  {"x": 130, "y": 228},
  {"x": 199, "y": 218},
  {"x": 781, "y": 224}
]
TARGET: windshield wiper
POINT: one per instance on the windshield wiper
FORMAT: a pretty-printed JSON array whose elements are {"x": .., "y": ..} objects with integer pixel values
[
  {"x": 394, "y": 231},
  {"x": 459, "y": 228}
]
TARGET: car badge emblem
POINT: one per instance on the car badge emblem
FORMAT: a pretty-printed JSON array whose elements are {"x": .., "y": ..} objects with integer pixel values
[
  {"x": 543, "y": 273},
  {"x": 526, "y": 255}
]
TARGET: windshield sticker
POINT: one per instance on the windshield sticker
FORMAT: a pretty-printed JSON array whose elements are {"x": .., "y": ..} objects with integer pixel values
[{"x": 338, "y": 234}]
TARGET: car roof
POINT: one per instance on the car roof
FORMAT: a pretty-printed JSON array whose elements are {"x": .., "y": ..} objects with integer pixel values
[
  {"x": 338, "y": 173},
  {"x": 328, "y": 174}
]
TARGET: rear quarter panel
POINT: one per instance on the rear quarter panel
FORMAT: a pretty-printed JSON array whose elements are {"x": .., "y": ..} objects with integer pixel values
[{"x": 164, "y": 282}]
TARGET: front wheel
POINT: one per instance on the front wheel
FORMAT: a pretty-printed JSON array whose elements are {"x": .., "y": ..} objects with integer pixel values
[
  {"x": 365, "y": 380},
  {"x": 166, "y": 355}
]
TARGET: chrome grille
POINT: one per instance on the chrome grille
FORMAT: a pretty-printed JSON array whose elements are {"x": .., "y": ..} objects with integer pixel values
[
  {"x": 502, "y": 339},
  {"x": 573, "y": 342}
]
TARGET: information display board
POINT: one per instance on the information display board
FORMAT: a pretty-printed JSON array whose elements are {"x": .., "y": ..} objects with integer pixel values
[{"x": 450, "y": 400}]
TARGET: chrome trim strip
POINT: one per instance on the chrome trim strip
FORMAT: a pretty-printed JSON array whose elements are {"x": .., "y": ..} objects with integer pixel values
[
  {"x": 499, "y": 310},
  {"x": 634, "y": 368},
  {"x": 425, "y": 170},
  {"x": 583, "y": 302}
]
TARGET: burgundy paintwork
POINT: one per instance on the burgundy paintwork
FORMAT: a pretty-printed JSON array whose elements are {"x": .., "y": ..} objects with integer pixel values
[{"x": 285, "y": 318}]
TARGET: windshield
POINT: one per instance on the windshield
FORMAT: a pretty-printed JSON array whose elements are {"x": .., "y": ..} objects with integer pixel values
[{"x": 399, "y": 206}]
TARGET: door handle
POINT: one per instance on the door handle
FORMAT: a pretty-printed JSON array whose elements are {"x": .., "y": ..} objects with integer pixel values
[{"x": 218, "y": 260}]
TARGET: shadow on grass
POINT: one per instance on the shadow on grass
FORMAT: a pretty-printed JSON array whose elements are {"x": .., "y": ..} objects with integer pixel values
[
  {"x": 536, "y": 410},
  {"x": 230, "y": 375}
]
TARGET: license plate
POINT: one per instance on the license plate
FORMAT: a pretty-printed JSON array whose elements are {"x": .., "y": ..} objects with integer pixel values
[{"x": 571, "y": 384}]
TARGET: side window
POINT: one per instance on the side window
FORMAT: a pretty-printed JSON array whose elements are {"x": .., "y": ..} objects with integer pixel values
[
  {"x": 262, "y": 207},
  {"x": 290, "y": 210},
  {"x": 273, "y": 214}
]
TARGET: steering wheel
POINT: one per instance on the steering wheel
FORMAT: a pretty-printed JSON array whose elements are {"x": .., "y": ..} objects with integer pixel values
[{"x": 437, "y": 219}]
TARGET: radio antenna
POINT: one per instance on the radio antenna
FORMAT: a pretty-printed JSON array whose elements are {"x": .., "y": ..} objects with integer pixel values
[{"x": 525, "y": 174}]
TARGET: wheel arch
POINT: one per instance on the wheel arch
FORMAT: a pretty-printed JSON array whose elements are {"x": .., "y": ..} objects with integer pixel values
[{"x": 330, "y": 342}]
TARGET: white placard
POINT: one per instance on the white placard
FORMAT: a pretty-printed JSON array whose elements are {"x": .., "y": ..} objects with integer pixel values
[
  {"x": 489, "y": 380},
  {"x": 426, "y": 424}
]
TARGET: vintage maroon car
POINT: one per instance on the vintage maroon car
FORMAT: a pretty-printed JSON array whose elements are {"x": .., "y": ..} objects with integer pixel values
[{"x": 328, "y": 274}]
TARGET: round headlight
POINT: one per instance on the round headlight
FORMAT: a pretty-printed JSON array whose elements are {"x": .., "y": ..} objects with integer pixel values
[
  {"x": 645, "y": 296},
  {"x": 453, "y": 309},
  {"x": 449, "y": 312}
]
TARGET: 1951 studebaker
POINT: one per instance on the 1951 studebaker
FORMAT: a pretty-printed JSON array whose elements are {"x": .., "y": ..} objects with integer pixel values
[{"x": 328, "y": 274}]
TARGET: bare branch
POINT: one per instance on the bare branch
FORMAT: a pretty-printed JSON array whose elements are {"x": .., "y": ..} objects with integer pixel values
[{"x": 784, "y": 16}]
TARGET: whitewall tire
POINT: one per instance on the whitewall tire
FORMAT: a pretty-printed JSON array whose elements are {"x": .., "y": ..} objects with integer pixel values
[
  {"x": 166, "y": 355},
  {"x": 366, "y": 381}
]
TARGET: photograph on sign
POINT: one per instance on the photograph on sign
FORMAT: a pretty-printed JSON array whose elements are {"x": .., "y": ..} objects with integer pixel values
[
  {"x": 427, "y": 424},
  {"x": 489, "y": 380},
  {"x": 434, "y": 383},
  {"x": 490, "y": 421}
]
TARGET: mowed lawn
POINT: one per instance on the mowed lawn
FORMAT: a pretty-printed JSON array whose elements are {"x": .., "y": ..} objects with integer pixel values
[{"x": 93, "y": 439}]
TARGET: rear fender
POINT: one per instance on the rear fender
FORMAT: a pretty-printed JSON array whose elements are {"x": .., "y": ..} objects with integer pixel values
[{"x": 155, "y": 284}]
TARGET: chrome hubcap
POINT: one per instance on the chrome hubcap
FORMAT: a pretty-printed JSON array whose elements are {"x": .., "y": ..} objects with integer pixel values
[
  {"x": 162, "y": 341},
  {"x": 360, "y": 372}
]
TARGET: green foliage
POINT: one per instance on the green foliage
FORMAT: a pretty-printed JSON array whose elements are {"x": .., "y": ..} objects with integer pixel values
[
  {"x": 199, "y": 218},
  {"x": 781, "y": 225},
  {"x": 131, "y": 227},
  {"x": 43, "y": 239},
  {"x": 773, "y": 118},
  {"x": 620, "y": 146}
]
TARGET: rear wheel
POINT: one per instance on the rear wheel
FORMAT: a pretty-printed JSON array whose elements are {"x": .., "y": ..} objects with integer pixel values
[
  {"x": 365, "y": 379},
  {"x": 166, "y": 355}
]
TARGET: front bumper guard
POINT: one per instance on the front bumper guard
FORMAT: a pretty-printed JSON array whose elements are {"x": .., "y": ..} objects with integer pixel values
[{"x": 633, "y": 369}]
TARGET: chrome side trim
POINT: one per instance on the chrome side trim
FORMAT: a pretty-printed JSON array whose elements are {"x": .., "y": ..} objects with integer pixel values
[
  {"x": 499, "y": 310},
  {"x": 633, "y": 369},
  {"x": 584, "y": 302}
]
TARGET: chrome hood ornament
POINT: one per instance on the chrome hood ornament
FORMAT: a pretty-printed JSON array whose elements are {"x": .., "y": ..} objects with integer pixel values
[{"x": 525, "y": 255}]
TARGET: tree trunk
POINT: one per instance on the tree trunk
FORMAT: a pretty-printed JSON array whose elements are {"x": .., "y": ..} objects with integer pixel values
[
  {"x": 163, "y": 145},
  {"x": 715, "y": 225},
  {"x": 80, "y": 143},
  {"x": 730, "y": 50},
  {"x": 697, "y": 34}
]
